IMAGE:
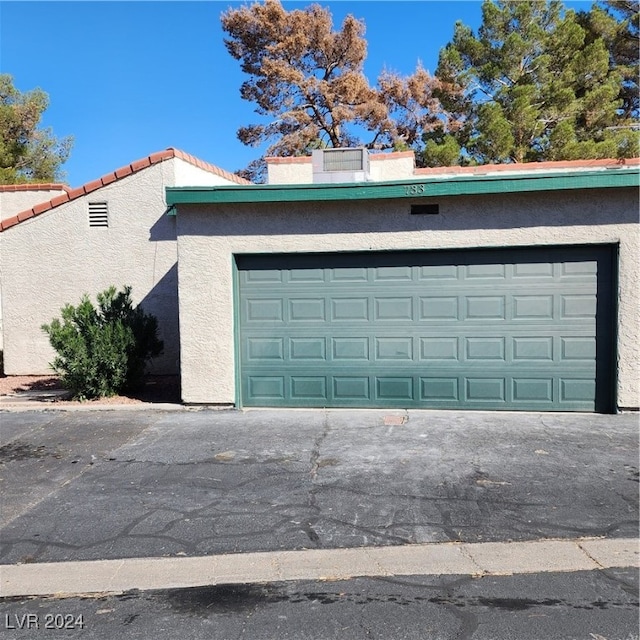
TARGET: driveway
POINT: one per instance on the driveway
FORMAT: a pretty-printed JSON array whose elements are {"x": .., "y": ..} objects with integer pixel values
[{"x": 89, "y": 485}]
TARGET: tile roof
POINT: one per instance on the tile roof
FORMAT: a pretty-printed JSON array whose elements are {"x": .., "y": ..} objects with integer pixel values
[
  {"x": 550, "y": 165},
  {"x": 44, "y": 186},
  {"x": 118, "y": 174}
]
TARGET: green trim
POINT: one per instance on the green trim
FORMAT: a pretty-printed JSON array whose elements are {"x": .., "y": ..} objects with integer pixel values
[
  {"x": 615, "y": 314},
  {"x": 411, "y": 189},
  {"x": 235, "y": 290}
]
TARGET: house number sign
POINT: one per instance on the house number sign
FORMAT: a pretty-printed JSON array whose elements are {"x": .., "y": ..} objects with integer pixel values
[{"x": 414, "y": 189}]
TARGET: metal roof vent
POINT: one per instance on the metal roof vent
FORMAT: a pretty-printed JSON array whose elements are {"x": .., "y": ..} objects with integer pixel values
[{"x": 340, "y": 165}]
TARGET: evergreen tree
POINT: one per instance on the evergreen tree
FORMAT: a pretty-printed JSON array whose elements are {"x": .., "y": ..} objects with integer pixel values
[
  {"x": 535, "y": 83},
  {"x": 27, "y": 153}
]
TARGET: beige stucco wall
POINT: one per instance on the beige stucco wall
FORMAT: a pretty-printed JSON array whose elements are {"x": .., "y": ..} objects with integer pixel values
[
  {"x": 392, "y": 166},
  {"x": 208, "y": 238},
  {"x": 13, "y": 202},
  {"x": 55, "y": 258},
  {"x": 294, "y": 172}
]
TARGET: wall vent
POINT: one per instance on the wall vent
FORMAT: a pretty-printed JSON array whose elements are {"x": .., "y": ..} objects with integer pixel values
[
  {"x": 425, "y": 209},
  {"x": 340, "y": 165},
  {"x": 98, "y": 214}
]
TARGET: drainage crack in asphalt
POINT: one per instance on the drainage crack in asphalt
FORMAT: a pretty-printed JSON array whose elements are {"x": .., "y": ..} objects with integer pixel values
[
  {"x": 373, "y": 533},
  {"x": 314, "y": 460}
]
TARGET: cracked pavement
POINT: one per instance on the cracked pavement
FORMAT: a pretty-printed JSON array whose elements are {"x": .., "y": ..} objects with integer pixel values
[{"x": 124, "y": 484}]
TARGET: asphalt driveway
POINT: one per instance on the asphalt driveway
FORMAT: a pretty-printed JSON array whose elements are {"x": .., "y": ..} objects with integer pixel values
[{"x": 89, "y": 485}]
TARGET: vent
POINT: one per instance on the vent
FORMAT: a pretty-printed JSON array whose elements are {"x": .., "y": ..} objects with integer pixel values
[
  {"x": 98, "y": 214},
  {"x": 340, "y": 165},
  {"x": 425, "y": 209},
  {"x": 343, "y": 160}
]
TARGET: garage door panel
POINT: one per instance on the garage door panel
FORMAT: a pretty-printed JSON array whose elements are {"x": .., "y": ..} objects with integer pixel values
[
  {"x": 307, "y": 310},
  {"x": 532, "y": 348},
  {"x": 394, "y": 348},
  {"x": 310, "y": 388},
  {"x": 260, "y": 310},
  {"x": 437, "y": 308},
  {"x": 532, "y": 390},
  {"x": 307, "y": 349},
  {"x": 537, "y": 271},
  {"x": 497, "y": 329},
  {"x": 349, "y": 309}
]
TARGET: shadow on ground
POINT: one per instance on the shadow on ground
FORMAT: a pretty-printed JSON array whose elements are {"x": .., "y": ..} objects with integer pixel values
[{"x": 156, "y": 389}]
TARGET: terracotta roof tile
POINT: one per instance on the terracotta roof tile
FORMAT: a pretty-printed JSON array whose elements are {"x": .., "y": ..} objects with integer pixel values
[
  {"x": 59, "y": 200},
  {"x": 92, "y": 186},
  {"x": 25, "y": 215},
  {"x": 108, "y": 178},
  {"x": 288, "y": 160},
  {"x": 41, "y": 208},
  {"x": 45, "y": 186},
  {"x": 76, "y": 193},
  {"x": 123, "y": 172},
  {"x": 118, "y": 174},
  {"x": 392, "y": 155},
  {"x": 9, "y": 222},
  {"x": 159, "y": 156},
  {"x": 140, "y": 164},
  {"x": 550, "y": 165}
]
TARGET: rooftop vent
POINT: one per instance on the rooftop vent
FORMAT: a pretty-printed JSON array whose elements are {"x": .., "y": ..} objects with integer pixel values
[{"x": 340, "y": 165}]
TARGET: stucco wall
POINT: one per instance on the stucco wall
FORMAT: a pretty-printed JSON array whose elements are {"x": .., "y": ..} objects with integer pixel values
[
  {"x": 289, "y": 171},
  {"x": 55, "y": 258},
  {"x": 392, "y": 166},
  {"x": 13, "y": 202},
  {"x": 188, "y": 175},
  {"x": 208, "y": 238}
]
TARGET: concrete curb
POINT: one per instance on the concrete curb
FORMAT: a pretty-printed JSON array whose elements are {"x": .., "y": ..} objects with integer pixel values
[
  {"x": 479, "y": 559},
  {"x": 12, "y": 405}
]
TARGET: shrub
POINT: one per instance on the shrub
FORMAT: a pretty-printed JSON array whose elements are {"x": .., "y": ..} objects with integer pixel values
[{"x": 103, "y": 351}]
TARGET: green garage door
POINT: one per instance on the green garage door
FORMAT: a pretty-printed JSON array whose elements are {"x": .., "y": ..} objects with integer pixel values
[{"x": 527, "y": 329}]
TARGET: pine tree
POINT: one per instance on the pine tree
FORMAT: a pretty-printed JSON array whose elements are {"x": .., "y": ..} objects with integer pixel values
[
  {"x": 27, "y": 153},
  {"x": 533, "y": 84},
  {"x": 307, "y": 82}
]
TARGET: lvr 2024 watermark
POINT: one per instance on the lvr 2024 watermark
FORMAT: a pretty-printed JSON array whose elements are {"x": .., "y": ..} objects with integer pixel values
[{"x": 25, "y": 621}]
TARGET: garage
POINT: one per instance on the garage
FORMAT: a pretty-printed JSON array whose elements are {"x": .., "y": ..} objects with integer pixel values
[
  {"x": 499, "y": 287},
  {"x": 513, "y": 329}
]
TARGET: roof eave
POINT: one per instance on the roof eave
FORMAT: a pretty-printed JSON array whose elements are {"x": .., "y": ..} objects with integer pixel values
[{"x": 426, "y": 187}]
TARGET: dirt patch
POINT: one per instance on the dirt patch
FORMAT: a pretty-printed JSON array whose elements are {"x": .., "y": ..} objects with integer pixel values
[{"x": 155, "y": 389}]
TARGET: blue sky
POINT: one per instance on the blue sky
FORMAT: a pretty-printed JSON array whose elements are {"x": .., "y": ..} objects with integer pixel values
[{"x": 127, "y": 79}]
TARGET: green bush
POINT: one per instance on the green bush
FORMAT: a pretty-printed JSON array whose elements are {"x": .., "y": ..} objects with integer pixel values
[{"x": 104, "y": 351}]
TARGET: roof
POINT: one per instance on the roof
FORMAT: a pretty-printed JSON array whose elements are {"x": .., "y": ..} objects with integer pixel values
[
  {"x": 114, "y": 176},
  {"x": 440, "y": 182},
  {"x": 518, "y": 167},
  {"x": 44, "y": 186}
]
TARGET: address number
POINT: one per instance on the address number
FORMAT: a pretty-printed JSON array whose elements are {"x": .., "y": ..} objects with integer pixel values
[{"x": 413, "y": 189}]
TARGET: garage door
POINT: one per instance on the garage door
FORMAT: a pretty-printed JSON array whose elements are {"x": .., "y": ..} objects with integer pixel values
[{"x": 527, "y": 329}]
